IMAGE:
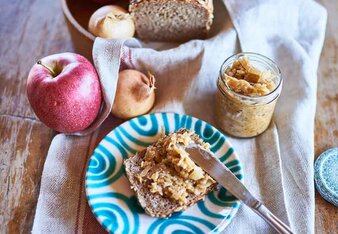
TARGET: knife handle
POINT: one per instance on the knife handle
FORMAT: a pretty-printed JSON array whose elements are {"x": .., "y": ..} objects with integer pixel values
[{"x": 270, "y": 218}]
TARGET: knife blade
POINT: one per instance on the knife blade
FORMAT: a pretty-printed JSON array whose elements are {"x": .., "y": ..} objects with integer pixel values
[
  {"x": 221, "y": 174},
  {"x": 216, "y": 169}
]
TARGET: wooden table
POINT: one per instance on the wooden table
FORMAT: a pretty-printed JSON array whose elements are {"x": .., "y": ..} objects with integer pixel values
[{"x": 33, "y": 29}]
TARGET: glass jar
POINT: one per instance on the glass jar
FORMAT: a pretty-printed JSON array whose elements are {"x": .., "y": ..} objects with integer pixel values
[{"x": 246, "y": 116}]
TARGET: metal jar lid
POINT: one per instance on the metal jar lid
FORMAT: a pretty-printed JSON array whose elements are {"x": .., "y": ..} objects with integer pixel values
[{"x": 326, "y": 175}]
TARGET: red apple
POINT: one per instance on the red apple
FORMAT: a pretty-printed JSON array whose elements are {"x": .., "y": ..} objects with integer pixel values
[{"x": 64, "y": 92}]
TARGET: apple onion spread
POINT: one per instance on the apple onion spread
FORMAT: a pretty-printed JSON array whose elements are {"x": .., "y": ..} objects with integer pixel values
[
  {"x": 177, "y": 175},
  {"x": 246, "y": 97},
  {"x": 245, "y": 79}
]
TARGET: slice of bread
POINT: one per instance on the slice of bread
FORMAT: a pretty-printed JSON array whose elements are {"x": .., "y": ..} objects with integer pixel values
[
  {"x": 153, "y": 203},
  {"x": 171, "y": 20}
]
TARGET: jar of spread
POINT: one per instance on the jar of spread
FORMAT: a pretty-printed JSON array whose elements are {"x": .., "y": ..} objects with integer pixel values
[{"x": 249, "y": 85}]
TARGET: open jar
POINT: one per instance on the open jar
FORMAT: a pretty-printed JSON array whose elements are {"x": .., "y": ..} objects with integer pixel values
[{"x": 247, "y": 114}]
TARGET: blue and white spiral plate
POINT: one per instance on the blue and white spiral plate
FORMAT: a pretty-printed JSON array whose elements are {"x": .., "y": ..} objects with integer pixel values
[{"x": 115, "y": 205}]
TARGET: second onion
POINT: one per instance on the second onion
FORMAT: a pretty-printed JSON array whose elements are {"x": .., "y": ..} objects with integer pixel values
[{"x": 135, "y": 94}]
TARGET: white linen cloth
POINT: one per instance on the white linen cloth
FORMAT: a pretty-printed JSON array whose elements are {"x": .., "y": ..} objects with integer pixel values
[{"x": 278, "y": 165}]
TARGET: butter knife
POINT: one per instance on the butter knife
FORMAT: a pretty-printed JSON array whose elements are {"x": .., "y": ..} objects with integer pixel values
[{"x": 228, "y": 180}]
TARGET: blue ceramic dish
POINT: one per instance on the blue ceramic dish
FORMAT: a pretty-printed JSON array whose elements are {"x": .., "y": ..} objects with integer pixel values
[
  {"x": 114, "y": 203},
  {"x": 326, "y": 175}
]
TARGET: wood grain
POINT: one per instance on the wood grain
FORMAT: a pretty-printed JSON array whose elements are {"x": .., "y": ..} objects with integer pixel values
[
  {"x": 29, "y": 30},
  {"x": 24, "y": 146},
  {"x": 326, "y": 124},
  {"x": 33, "y": 29}
]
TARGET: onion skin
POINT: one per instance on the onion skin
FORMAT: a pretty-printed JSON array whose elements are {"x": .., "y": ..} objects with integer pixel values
[
  {"x": 135, "y": 94},
  {"x": 111, "y": 22}
]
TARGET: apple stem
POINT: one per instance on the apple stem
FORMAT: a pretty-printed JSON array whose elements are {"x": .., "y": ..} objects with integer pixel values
[{"x": 48, "y": 68}]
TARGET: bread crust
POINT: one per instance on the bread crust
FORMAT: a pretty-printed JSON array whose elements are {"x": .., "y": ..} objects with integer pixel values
[
  {"x": 208, "y": 4},
  {"x": 205, "y": 5}
]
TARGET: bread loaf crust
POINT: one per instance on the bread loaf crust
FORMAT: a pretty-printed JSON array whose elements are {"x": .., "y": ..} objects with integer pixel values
[
  {"x": 207, "y": 4},
  {"x": 202, "y": 5}
]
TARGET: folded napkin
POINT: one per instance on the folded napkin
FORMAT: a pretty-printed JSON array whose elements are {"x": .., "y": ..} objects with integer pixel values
[{"x": 278, "y": 165}]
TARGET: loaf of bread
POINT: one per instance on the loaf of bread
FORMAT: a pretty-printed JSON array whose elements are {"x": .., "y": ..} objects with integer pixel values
[
  {"x": 171, "y": 20},
  {"x": 164, "y": 178}
]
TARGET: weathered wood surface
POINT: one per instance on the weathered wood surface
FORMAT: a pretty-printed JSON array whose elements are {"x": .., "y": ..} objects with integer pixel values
[
  {"x": 24, "y": 146},
  {"x": 28, "y": 30},
  {"x": 326, "y": 124},
  {"x": 35, "y": 28}
]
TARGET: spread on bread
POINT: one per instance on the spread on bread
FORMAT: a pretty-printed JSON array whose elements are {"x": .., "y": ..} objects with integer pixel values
[{"x": 178, "y": 175}]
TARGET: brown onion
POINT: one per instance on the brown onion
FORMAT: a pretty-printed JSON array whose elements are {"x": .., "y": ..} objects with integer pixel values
[
  {"x": 135, "y": 94},
  {"x": 111, "y": 22}
]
